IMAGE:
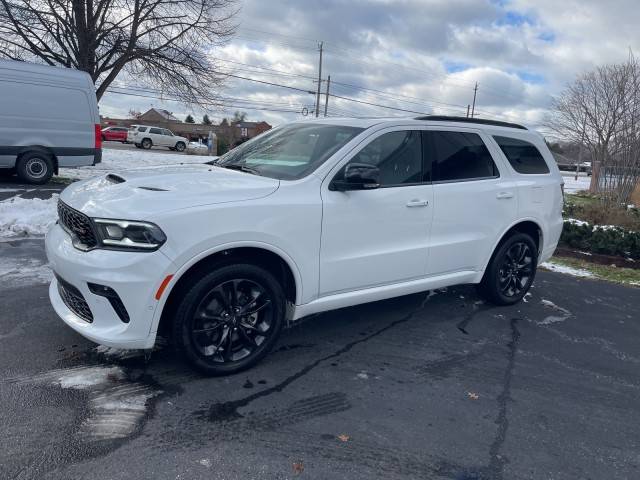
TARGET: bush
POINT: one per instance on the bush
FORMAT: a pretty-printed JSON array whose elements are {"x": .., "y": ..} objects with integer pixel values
[{"x": 608, "y": 240}]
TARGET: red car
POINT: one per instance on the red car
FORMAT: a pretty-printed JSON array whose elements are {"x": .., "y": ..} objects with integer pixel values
[{"x": 115, "y": 134}]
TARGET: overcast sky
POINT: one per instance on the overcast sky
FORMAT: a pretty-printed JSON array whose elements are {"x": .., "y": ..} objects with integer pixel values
[{"x": 418, "y": 55}]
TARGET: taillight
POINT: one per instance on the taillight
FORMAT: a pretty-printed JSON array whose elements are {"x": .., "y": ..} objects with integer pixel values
[{"x": 98, "y": 130}]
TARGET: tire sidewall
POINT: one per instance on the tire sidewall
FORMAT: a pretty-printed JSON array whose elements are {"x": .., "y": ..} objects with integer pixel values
[
  {"x": 491, "y": 284},
  {"x": 185, "y": 311},
  {"x": 23, "y": 167}
]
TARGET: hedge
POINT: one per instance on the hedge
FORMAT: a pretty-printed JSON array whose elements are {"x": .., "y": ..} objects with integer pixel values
[{"x": 605, "y": 239}]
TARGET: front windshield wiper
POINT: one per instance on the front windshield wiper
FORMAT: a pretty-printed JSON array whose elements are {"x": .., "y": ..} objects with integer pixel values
[{"x": 240, "y": 167}]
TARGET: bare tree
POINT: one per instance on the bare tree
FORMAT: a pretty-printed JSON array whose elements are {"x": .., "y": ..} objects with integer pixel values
[
  {"x": 601, "y": 109},
  {"x": 164, "y": 42}
]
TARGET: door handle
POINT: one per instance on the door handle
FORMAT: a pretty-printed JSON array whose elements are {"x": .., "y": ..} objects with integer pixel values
[
  {"x": 417, "y": 203},
  {"x": 504, "y": 195}
]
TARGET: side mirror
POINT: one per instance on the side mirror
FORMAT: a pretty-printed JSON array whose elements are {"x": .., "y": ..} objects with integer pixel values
[{"x": 358, "y": 176}]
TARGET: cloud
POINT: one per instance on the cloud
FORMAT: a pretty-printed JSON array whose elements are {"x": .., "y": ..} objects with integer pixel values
[{"x": 417, "y": 55}]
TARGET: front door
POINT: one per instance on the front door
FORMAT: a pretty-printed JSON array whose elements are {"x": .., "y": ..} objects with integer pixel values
[{"x": 379, "y": 236}]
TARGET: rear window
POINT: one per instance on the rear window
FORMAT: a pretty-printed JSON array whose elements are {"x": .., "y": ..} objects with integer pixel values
[
  {"x": 142, "y": 129},
  {"x": 459, "y": 156},
  {"x": 523, "y": 156}
]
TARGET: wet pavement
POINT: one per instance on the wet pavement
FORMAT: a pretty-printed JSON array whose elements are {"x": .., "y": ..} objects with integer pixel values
[{"x": 436, "y": 385}]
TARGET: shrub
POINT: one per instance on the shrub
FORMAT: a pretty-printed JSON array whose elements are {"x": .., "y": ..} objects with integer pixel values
[{"x": 608, "y": 240}]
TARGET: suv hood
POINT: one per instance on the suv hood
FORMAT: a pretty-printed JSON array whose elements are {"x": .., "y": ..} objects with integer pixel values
[{"x": 139, "y": 194}]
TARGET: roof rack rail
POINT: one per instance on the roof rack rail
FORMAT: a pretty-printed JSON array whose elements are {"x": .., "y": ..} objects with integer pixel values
[{"x": 484, "y": 121}]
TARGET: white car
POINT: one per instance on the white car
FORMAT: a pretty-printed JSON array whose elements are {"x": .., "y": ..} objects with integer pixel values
[
  {"x": 305, "y": 218},
  {"x": 145, "y": 136}
]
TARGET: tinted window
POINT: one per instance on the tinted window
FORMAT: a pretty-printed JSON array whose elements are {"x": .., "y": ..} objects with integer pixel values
[
  {"x": 459, "y": 156},
  {"x": 167, "y": 132},
  {"x": 398, "y": 155},
  {"x": 157, "y": 131},
  {"x": 142, "y": 129},
  {"x": 523, "y": 156}
]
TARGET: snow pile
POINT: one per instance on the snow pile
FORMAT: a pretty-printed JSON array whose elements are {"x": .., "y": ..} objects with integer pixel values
[
  {"x": 23, "y": 217},
  {"x": 118, "y": 160},
  {"x": 576, "y": 272},
  {"x": 20, "y": 272}
]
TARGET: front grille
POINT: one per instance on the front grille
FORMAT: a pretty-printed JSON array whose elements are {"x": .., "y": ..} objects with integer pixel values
[
  {"x": 74, "y": 300},
  {"x": 78, "y": 225}
]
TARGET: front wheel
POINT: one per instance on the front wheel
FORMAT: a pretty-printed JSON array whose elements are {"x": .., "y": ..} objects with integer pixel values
[
  {"x": 511, "y": 271},
  {"x": 180, "y": 146},
  {"x": 229, "y": 319}
]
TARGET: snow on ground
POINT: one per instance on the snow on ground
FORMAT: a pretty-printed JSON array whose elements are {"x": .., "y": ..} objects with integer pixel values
[
  {"x": 20, "y": 272},
  {"x": 576, "y": 272},
  {"x": 26, "y": 217},
  {"x": 113, "y": 159},
  {"x": 572, "y": 186}
]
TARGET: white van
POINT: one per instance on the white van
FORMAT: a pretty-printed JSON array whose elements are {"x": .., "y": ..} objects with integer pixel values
[{"x": 48, "y": 119}]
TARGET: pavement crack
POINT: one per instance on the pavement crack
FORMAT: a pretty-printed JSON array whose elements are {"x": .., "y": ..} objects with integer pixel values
[
  {"x": 495, "y": 468},
  {"x": 225, "y": 411}
]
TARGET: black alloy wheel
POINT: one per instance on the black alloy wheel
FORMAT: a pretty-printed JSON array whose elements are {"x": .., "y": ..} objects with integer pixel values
[
  {"x": 230, "y": 319},
  {"x": 511, "y": 270}
]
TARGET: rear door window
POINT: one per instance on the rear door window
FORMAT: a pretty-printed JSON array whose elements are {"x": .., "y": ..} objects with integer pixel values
[
  {"x": 459, "y": 156},
  {"x": 523, "y": 156},
  {"x": 155, "y": 131}
]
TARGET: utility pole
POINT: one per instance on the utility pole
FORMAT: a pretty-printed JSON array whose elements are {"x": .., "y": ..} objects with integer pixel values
[
  {"x": 468, "y": 107},
  {"x": 475, "y": 91},
  {"x": 326, "y": 97},
  {"x": 319, "y": 82}
]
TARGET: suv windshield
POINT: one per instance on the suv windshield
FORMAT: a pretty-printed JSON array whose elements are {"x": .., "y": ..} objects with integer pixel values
[{"x": 289, "y": 152}]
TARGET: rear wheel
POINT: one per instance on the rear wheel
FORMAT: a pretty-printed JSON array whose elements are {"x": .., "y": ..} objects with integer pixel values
[
  {"x": 35, "y": 168},
  {"x": 146, "y": 143},
  {"x": 511, "y": 270},
  {"x": 229, "y": 319}
]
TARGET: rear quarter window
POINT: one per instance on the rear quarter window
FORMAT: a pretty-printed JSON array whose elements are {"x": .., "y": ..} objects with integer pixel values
[
  {"x": 523, "y": 156},
  {"x": 142, "y": 129}
]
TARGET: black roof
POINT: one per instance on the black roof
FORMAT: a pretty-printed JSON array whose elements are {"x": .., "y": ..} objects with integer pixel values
[{"x": 484, "y": 121}]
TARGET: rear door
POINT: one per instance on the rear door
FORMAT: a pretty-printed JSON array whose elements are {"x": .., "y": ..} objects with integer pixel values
[
  {"x": 379, "y": 236},
  {"x": 475, "y": 199},
  {"x": 157, "y": 137}
]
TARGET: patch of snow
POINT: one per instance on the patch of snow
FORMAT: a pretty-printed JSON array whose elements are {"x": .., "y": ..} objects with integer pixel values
[
  {"x": 22, "y": 272},
  {"x": 25, "y": 217},
  {"x": 576, "y": 272},
  {"x": 113, "y": 353},
  {"x": 205, "y": 462},
  {"x": 118, "y": 160},
  {"x": 575, "y": 221},
  {"x": 554, "y": 318},
  {"x": 363, "y": 375},
  {"x": 84, "y": 378},
  {"x": 571, "y": 185}
]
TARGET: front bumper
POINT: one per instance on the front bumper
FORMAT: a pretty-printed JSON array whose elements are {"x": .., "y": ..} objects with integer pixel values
[{"x": 134, "y": 276}]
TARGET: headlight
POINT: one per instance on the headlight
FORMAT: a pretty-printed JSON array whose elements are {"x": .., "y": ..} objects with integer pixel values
[{"x": 128, "y": 235}]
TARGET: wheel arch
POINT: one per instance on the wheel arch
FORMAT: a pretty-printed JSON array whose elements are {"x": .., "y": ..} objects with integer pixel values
[
  {"x": 529, "y": 226},
  {"x": 264, "y": 255}
]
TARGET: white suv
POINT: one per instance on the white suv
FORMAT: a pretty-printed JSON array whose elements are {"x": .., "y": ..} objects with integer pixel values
[
  {"x": 144, "y": 136},
  {"x": 305, "y": 218}
]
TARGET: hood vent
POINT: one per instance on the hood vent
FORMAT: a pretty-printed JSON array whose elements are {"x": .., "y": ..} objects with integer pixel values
[
  {"x": 114, "y": 178},
  {"x": 154, "y": 189}
]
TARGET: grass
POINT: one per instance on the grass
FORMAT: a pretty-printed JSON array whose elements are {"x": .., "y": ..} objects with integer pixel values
[
  {"x": 62, "y": 180},
  {"x": 626, "y": 276},
  {"x": 581, "y": 199}
]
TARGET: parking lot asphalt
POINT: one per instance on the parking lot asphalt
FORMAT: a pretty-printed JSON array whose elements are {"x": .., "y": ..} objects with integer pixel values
[{"x": 434, "y": 385}]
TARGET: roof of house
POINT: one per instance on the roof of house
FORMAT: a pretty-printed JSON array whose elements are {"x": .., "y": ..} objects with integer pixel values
[{"x": 167, "y": 115}]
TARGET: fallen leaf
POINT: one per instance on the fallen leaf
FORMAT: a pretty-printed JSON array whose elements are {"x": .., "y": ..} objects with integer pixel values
[
  {"x": 298, "y": 467},
  {"x": 343, "y": 438},
  {"x": 473, "y": 396}
]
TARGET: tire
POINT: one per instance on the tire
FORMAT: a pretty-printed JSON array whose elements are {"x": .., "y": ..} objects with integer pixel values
[
  {"x": 146, "y": 143},
  {"x": 180, "y": 146},
  {"x": 511, "y": 270},
  {"x": 215, "y": 340},
  {"x": 35, "y": 168}
]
